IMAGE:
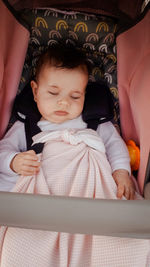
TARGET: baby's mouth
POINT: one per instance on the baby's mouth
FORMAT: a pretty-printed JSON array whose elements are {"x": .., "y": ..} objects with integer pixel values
[{"x": 61, "y": 113}]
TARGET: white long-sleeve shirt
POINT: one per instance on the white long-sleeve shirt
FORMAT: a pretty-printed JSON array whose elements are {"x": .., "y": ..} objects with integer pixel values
[{"x": 14, "y": 142}]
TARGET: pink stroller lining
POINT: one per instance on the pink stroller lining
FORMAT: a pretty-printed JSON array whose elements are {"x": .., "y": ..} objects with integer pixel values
[
  {"x": 134, "y": 88},
  {"x": 13, "y": 46}
]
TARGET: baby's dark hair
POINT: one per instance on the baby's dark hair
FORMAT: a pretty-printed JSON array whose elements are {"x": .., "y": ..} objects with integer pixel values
[{"x": 61, "y": 56}]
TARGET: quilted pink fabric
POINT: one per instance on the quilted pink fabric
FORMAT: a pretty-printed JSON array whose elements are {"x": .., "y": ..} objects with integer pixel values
[{"x": 72, "y": 164}]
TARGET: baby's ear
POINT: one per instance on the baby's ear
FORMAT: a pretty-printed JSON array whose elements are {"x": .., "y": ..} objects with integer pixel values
[{"x": 34, "y": 89}]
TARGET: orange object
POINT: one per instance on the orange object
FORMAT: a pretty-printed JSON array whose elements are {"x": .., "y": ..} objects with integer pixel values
[{"x": 134, "y": 153}]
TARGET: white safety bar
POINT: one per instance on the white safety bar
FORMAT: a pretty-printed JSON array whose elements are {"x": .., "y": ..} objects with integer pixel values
[{"x": 76, "y": 215}]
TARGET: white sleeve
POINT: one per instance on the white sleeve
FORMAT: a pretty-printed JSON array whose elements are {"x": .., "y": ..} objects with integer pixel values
[
  {"x": 116, "y": 149},
  {"x": 13, "y": 142}
]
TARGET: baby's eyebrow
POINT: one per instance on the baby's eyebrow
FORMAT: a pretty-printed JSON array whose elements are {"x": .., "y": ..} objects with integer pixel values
[{"x": 53, "y": 85}]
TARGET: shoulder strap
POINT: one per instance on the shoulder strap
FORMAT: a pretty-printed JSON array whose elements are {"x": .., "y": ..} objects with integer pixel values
[
  {"x": 98, "y": 105},
  {"x": 25, "y": 105},
  {"x": 32, "y": 129}
]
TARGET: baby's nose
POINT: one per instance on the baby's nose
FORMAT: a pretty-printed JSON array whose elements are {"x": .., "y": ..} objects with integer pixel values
[{"x": 63, "y": 101}]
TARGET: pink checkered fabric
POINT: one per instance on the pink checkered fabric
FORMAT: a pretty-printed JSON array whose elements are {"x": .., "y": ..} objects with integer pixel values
[{"x": 70, "y": 166}]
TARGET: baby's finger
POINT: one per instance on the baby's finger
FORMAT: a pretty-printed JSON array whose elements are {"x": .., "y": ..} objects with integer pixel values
[
  {"x": 32, "y": 163},
  {"x": 26, "y": 173},
  {"x": 127, "y": 193},
  {"x": 132, "y": 194},
  {"x": 32, "y": 152},
  {"x": 120, "y": 191},
  {"x": 29, "y": 170},
  {"x": 30, "y": 156}
]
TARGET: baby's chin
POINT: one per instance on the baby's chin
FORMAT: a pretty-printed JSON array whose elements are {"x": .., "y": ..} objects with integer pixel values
[
  {"x": 60, "y": 117},
  {"x": 56, "y": 120}
]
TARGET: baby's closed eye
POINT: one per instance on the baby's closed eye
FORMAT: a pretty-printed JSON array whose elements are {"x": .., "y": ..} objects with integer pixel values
[
  {"x": 76, "y": 95},
  {"x": 53, "y": 93}
]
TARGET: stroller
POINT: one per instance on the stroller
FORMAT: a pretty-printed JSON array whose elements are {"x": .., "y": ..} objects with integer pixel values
[{"x": 115, "y": 35}]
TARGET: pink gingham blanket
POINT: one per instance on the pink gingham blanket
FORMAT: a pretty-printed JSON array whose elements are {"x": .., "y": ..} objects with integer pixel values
[{"x": 73, "y": 163}]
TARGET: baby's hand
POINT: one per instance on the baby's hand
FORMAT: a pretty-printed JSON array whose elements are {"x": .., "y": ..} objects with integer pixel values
[
  {"x": 25, "y": 163},
  {"x": 125, "y": 185}
]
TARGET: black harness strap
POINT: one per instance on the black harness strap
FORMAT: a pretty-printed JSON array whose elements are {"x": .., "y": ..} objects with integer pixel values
[
  {"x": 98, "y": 105},
  {"x": 32, "y": 129},
  {"x": 38, "y": 148}
]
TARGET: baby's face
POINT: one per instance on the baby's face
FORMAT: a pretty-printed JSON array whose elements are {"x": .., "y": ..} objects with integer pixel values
[{"x": 59, "y": 93}]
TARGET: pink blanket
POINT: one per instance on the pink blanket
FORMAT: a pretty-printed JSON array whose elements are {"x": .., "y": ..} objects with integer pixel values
[{"x": 73, "y": 163}]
